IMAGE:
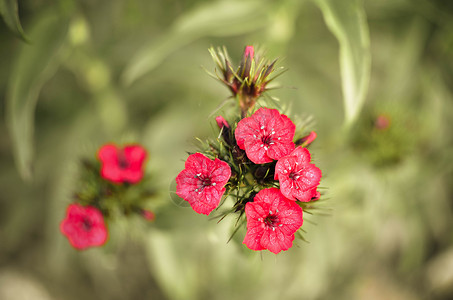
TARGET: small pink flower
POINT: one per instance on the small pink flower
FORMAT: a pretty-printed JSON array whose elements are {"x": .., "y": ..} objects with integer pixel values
[
  {"x": 84, "y": 226},
  {"x": 266, "y": 135},
  {"x": 202, "y": 182},
  {"x": 122, "y": 164},
  {"x": 272, "y": 221},
  {"x": 221, "y": 122},
  {"x": 297, "y": 176}
]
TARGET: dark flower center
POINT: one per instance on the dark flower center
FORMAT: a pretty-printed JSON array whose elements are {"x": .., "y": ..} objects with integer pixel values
[
  {"x": 123, "y": 163},
  {"x": 266, "y": 139},
  {"x": 86, "y": 224},
  {"x": 294, "y": 176},
  {"x": 203, "y": 181},
  {"x": 272, "y": 220}
]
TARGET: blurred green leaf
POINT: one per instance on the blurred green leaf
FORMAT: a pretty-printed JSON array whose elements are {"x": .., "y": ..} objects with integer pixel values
[
  {"x": 347, "y": 21},
  {"x": 10, "y": 14},
  {"x": 34, "y": 65},
  {"x": 220, "y": 18}
]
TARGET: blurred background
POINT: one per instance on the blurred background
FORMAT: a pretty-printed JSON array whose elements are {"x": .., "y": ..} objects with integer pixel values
[{"x": 374, "y": 76}]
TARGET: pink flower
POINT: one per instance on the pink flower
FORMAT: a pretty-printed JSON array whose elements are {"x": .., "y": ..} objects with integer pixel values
[
  {"x": 297, "y": 176},
  {"x": 122, "y": 164},
  {"x": 266, "y": 135},
  {"x": 272, "y": 221},
  {"x": 84, "y": 226},
  {"x": 202, "y": 182}
]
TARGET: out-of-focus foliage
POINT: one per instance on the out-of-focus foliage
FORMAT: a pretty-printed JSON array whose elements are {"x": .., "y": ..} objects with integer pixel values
[
  {"x": 129, "y": 71},
  {"x": 10, "y": 14}
]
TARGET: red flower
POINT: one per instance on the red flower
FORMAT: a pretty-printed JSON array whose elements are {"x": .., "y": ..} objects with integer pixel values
[
  {"x": 297, "y": 176},
  {"x": 84, "y": 226},
  {"x": 272, "y": 221},
  {"x": 266, "y": 135},
  {"x": 202, "y": 182},
  {"x": 122, "y": 164}
]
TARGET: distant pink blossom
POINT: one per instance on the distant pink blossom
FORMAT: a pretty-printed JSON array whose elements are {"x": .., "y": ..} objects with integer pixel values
[
  {"x": 122, "y": 164},
  {"x": 84, "y": 226}
]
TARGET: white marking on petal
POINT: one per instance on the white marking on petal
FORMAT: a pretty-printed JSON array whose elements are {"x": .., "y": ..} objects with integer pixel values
[
  {"x": 262, "y": 127},
  {"x": 214, "y": 184},
  {"x": 279, "y": 138},
  {"x": 280, "y": 225},
  {"x": 270, "y": 212},
  {"x": 273, "y": 228}
]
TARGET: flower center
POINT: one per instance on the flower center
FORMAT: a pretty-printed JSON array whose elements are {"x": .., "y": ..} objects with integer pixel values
[
  {"x": 294, "y": 176},
  {"x": 203, "y": 181},
  {"x": 266, "y": 140},
  {"x": 122, "y": 160},
  {"x": 271, "y": 220},
  {"x": 86, "y": 224}
]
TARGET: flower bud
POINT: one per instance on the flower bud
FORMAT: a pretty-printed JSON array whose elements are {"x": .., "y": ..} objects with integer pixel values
[
  {"x": 307, "y": 140},
  {"x": 222, "y": 122}
]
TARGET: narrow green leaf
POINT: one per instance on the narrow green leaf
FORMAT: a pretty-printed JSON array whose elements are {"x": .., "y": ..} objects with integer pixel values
[
  {"x": 34, "y": 65},
  {"x": 346, "y": 19},
  {"x": 220, "y": 18},
  {"x": 10, "y": 14}
]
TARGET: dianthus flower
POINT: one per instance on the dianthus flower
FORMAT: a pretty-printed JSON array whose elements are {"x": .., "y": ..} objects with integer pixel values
[
  {"x": 202, "y": 182},
  {"x": 272, "y": 221},
  {"x": 297, "y": 176},
  {"x": 122, "y": 164},
  {"x": 84, "y": 226},
  {"x": 265, "y": 136}
]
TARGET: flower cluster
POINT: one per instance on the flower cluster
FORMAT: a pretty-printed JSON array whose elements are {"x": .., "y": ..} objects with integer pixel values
[
  {"x": 108, "y": 186},
  {"x": 258, "y": 161}
]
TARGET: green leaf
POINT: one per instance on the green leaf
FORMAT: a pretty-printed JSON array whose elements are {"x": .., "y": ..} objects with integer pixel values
[
  {"x": 346, "y": 19},
  {"x": 220, "y": 18},
  {"x": 10, "y": 14},
  {"x": 34, "y": 65}
]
